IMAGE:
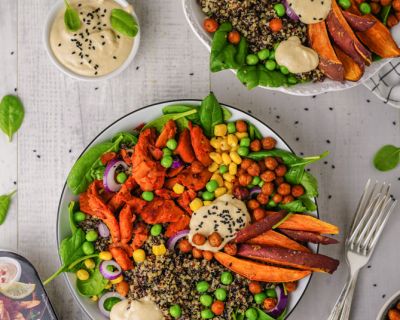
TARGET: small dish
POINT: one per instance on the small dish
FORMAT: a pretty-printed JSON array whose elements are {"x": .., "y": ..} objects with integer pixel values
[
  {"x": 390, "y": 303},
  {"x": 46, "y": 39},
  {"x": 4, "y": 261}
]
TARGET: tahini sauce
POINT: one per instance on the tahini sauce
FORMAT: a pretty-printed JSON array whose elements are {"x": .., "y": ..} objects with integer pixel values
[
  {"x": 311, "y": 11},
  {"x": 143, "y": 309}
]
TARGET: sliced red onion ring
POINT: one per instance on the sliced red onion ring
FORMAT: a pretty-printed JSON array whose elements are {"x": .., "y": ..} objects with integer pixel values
[
  {"x": 282, "y": 302},
  {"x": 177, "y": 163},
  {"x": 110, "y": 275},
  {"x": 254, "y": 191},
  {"x": 174, "y": 239},
  {"x": 103, "y": 299},
  {"x": 103, "y": 230},
  {"x": 290, "y": 12},
  {"x": 110, "y": 185}
]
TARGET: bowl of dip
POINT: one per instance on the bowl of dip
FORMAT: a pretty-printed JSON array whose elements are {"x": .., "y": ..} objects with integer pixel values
[
  {"x": 96, "y": 51},
  {"x": 10, "y": 271}
]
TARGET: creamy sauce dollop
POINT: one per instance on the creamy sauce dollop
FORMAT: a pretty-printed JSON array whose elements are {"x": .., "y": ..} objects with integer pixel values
[
  {"x": 296, "y": 57},
  {"x": 8, "y": 271},
  {"x": 226, "y": 215},
  {"x": 311, "y": 11},
  {"x": 143, "y": 309},
  {"x": 95, "y": 49}
]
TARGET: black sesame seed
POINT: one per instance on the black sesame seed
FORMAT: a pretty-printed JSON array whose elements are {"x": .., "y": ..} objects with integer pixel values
[
  {"x": 306, "y": 109},
  {"x": 328, "y": 141}
]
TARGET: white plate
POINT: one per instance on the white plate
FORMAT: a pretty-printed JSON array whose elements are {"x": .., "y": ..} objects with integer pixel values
[
  {"x": 127, "y": 123},
  {"x": 390, "y": 303},
  {"x": 195, "y": 18}
]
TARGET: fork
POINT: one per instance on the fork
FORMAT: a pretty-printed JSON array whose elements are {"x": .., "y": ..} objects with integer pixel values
[{"x": 371, "y": 216}]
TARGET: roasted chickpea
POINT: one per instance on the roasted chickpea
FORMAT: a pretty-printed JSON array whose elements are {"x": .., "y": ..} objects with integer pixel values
[
  {"x": 290, "y": 286},
  {"x": 258, "y": 214},
  {"x": 271, "y": 163},
  {"x": 197, "y": 254},
  {"x": 280, "y": 170},
  {"x": 215, "y": 239},
  {"x": 196, "y": 167},
  {"x": 277, "y": 198},
  {"x": 287, "y": 199},
  {"x": 255, "y": 287},
  {"x": 375, "y": 7},
  {"x": 217, "y": 307},
  {"x": 254, "y": 170},
  {"x": 262, "y": 198},
  {"x": 394, "y": 314},
  {"x": 392, "y": 21},
  {"x": 268, "y": 143},
  {"x": 268, "y": 176},
  {"x": 208, "y": 255},
  {"x": 269, "y": 303},
  {"x": 245, "y": 179},
  {"x": 253, "y": 204},
  {"x": 241, "y": 193},
  {"x": 297, "y": 190},
  {"x": 241, "y": 126},
  {"x": 231, "y": 249},
  {"x": 398, "y": 305},
  {"x": 396, "y": 5},
  {"x": 185, "y": 246},
  {"x": 268, "y": 188},
  {"x": 246, "y": 163},
  {"x": 279, "y": 180},
  {"x": 255, "y": 145},
  {"x": 385, "y": 2},
  {"x": 284, "y": 189},
  {"x": 262, "y": 166},
  {"x": 241, "y": 171},
  {"x": 199, "y": 239}
]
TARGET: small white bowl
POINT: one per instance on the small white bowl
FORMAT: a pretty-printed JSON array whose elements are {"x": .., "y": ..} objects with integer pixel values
[
  {"x": 17, "y": 265},
  {"x": 390, "y": 303},
  {"x": 46, "y": 39}
]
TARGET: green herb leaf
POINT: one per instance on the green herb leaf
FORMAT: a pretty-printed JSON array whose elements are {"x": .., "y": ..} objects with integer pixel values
[
  {"x": 94, "y": 285},
  {"x": 177, "y": 108},
  {"x": 72, "y": 208},
  {"x": 253, "y": 76},
  {"x": 263, "y": 316},
  {"x": 243, "y": 50},
  {"x": 71, "y": 18},
  {"x": 211, "y": 114},
  {"x": 71, "y": 247},
  {"x": 123, "y": 22},
  {"x": 387, "y": 158},
  {"x": 308, "y": 160},
  {"x": 11, "y": 115},
  {"x": 126, "y": 138},
  {"x": 227, "y": 114},
  {"x": 5, "y": 201},
  {"x": 294, "y": 206},
  {"x": 310, "y": 184},
  {"x": 288, "y": 157},
  {"x": 160, "y": 122},
  {"x": 254, "y": 133}
]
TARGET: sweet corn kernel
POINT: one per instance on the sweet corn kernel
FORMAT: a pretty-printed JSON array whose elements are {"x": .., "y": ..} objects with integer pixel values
[
  {"x": 178, "y": 188},
  {"x": 108, "y": 286},
  {"x": 241, "y": 135},
  {"x": 217, "y": 177},
  {"x": 232, "y": 140},
  {"x": 228, "y": 185},
  {"x": 232, "y": 168},
  {"x": 213, "y": 167},
  {"x": 89, "y": 263},
  {"x": 82, "y": 274},
  {"x": 105, "y": 255},
  {"x": 196, "y": 204},
  {"x": 216, "y": 157},
  {"x": 207, "y": 203},
  {"x": 139, "y": 255},
  {"x": 117, "y": 280},
  {"x": 159, "y": 250},
  {"x": 224, "y": 145},
  {"x": 228, "y": 177},
  {"x": 226, "y": 159},
  {"x": 235, "y": 157},
  {"x": 220, "y": 130},
  {"x": 216, "y": 143},
  {"x": 236, "y": 148},
  {"x": 94, "y": 298},
  {"x": 220, "y": 191}
]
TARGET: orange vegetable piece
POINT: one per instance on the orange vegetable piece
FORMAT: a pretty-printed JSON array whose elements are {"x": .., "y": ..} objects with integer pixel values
[
  {"x": 107, "y": 157},
  {"x": 234, "y": 37},
  {"x": 167, "y": 133},
  {"x": 201, "y": 145},
  {"x": 210, "y": 25},
  {"x": 126, "y": 219},
  {"x": 275, "y": 24},
  {"x": 122, "y": 288},
  {"x": 276, "y": 239},
  {"x": 140, "y": 235},
  {"x": 122, "y": 258},
  {"x": 184, "y": 148},
  {"x": 308, "y": 223}
]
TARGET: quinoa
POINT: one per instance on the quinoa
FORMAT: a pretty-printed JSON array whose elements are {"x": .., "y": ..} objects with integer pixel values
[{"x": 92, "y": 223}]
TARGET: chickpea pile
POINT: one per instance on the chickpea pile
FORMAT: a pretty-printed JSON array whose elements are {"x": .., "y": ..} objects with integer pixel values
[{"x": 394, "y": 313}]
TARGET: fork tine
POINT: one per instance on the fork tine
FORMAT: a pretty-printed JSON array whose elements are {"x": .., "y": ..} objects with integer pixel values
[{"x": 361, "y": 205}]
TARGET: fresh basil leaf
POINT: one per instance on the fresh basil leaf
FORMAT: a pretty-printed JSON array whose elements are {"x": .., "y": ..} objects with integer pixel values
[
  {"x": 310, "y": 184},
  {"x": 5, "y": 201},
  {"x": 253, "y": 76},
  {"x": 72, "y": 208},
  {"x": 308, "y": 203},
  {"x": 94, "y": 285},
  {"x": 243, "y": 50},
  {"x": 71, "y": 18},
  {"x": 11, "y": 115},
  {"x": 177, "y": 108},
  {"x": 160, "y": 122},
  {"x": 294, "y": 206},
  {"x": 295, "y": 174},
  {"x": 71, "y": 247},
  {"x": 211, "y": 114},
  {"x": 127, "y": 138},
  {"x": 387, "y": 158},
  {"x": 227, "y": 114},
  {"x": 123, "y": 22}
]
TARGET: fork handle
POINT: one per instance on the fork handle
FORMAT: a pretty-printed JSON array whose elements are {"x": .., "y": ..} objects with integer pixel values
[{"x": 341, "y": 310}]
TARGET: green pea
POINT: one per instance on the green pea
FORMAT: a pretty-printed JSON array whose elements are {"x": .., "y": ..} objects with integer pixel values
[
  {"x": 292, "y": 79},
  {"x": 202, "y": 286},
  {"x": 207, "y": 314},
  {"x": 243, "y": 151},
  {"x": 345, "y": 4},
  {"x": 148, "y": 195},
  {"x": 166, "y": 161},
  {"x": 166, "y": 152},
  {"x": 271, "y": 293},
  {"x": 223, "y": 169},
  {"x": 251, "y": 314},
  {"x": 92, "y": 235},
  {"x": 121, "y": 177},
  {"x": 270, "y": 65},
  {"x": 208, "y": 196},
  {"x": 172, "y": 144},
  {"x": 260, "y": 297},
  {"x": 261, "y": 184},
  {"x": 156, "y": 230},
  {"x": 256, "y": 180},
  {"x": 272, "y": 55},
  {"x": 87, "y": 248},
  {"x": 226, "y": 278},
  {"x": 245, "y": 142},
  {"x": 206, "y": 300},
  {"x": 175, "y": 311},
  {"x": 220, "y": 294},
  {"x": 279, "y": 9},
  {"x": 79, "y": 216},
  {"x": 263, "y": 54},
  {"x": 271, "y": 203},
  {"x": 365, "y": 8},
  {"x": 251, "y": 59},
  {"x": 212, "y": 185},
  {"x": 284, "y": 70},
  {"x": 231, "y": 127}
]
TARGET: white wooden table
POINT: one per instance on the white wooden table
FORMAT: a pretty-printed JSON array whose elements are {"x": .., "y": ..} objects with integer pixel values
[{"x": 63, "y": 115}]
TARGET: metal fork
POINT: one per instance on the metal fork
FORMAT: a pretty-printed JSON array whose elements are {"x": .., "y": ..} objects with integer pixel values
[{"x": 371, "y": 216}]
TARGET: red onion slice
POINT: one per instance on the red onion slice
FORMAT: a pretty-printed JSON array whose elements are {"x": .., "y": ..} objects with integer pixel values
[
  {"x": 176, "y": 237},
  {"x": 104, "y": 232},
  {"x": 110, "y": 185},
  {"x": 254, "y": 192},
  {"x": 282, "y": 302},
  {"x": 177, "y": 163},
  {"x": 290, "y": 12},
  {"x": 110, "y": 275},
  {"x": 103, "y": 299}
]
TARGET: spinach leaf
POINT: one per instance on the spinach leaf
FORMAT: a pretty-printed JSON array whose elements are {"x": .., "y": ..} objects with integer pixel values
[
  {"x": 253, "y": 76},
  {"x": 384, "y": 13},
  {"x": 263, "y": 316},
  {"x": 71, "y": 18},
  {"x": 71, "y": 247},
  {"x": 288, "y": 157},
  {"x": 254, "y": 133},
  {"x": 387, "y": 158},
  {"x": 227, "y": 114},
  {"x": 126, "y": 138},
  {"x": 222, "y": 52},
  {"x": 160, "y": 122},
  {"x": 80, "y": 176},
  {"x": 211, "y": 114},
  {"x": 294, "y": 206},
  {"x": 295, "y": 174},
  {"x": 182, "y": 123},
  {"x": 177, "y": 108},
  {"x": 308, "y": 160},
  {"x": 243, "y": 50},
  {"x": 308, "y": 203},
  {"x": 97, "y": 172},
  {"x": 11, "y": 115},
  {"x": 310, "y": 184},
  {"x": 72, "y": 208},
  {"x": 5, "y": 201},
  {"x": 236, "y": 315},
  {"x": 123, "y": 22},
  {"x": 94, "y": 285}
]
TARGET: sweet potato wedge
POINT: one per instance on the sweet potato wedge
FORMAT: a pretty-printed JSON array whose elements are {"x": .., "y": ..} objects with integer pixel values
[
  {"x": 358, "y": 23},
  {"x": 329, "y": 63},
  {"x": 260, "y": 226},
  {"x": 345, "y": 38},
  {"x": 276, "y": 239},
  {"x": 307, "y": 236},
  {"x": 352, "y": 70},
  {"x": 305, "y": 222},
  {"x": 258, "y": 271},
  {"x": 289, "y": 258}
]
